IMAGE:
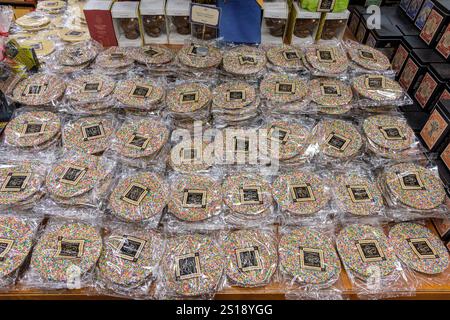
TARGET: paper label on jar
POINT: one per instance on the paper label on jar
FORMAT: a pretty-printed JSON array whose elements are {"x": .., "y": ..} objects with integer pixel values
[{"x": 204, "y": 14}]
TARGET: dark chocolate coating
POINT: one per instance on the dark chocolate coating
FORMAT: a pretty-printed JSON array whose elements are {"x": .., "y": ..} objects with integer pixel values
[
  {"x": 130, "y": 27},
  {"x": 153, "y": 25},
  {"x": 182, "y": 24},
  {"x": 276, "y": 26},
  {"x": 304, "y": 27}
]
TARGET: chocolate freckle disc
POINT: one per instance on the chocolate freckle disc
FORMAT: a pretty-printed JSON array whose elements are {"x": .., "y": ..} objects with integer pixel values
[
  {"x": 195, "y": 198},
  {"x": 309, "y": 257},
  {"x": 192, "y": 265},
  {"x": 368, "y": 57},
  {"x": 91, "y": 135},
  {"x": 300, "y": 193},
  {"x": 190, "y": 158},
  {"x": 139, "y": 93},
  {"x": 199, "y": 56},
  {"x": 330, "y": 92},
  {"x": 415, "y": 186},
  {"x": 16, "y": 239},
  {"x": 90, "y": 88},
  {"x": 39, "y": 89},
  {"x": 377, "y": 87},
  {"x": 188, "y": 97},
  {"x": 114, "y": 58},
  {"x": 251, "y": 257},
  {"x": 62, "y": 247},
  {"x": 331, "y": 60},
  {"x": 139, "y": 197},
  {"x": 390, "y": 132},
  {"x": 287, "y": 57},
  {"x": 283, "y": 88},
  {"x": 419, "y": 248},
  {"x": 363, "y": 247},
  {"x": 244, "y": 60},
  {"x": 152, "y": 55},
  {"x": 130, "y": 256},
  {"x": 234, "y": 95}
]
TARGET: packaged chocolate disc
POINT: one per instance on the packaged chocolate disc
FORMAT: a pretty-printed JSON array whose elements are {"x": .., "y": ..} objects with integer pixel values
[
  {"x": 244, "y": 61},
  {"x": 326, "y": 60},
  {"x": 17, "y": 234},
  {"x": 303, "y": 195},
  {"x": 74, "y": 57},
  {"x": 138, "y": 196},
  {"x": 188, "y": 156},
  {"x": 309, "y": 263},
  {"x": 365, "y": 59},
  {"x": 65, "y": 255},
  {"x": 199, "y": 58},
  {"x": 154, "y": 57},
  {"x": 285, "y": 59},
  {"x": 90, "y": 88},
  {"x": 129, "y": 261},
  {"x": 113, "y": 61},
  {"x": 371, "y": 264},
  {"x": 331, "y": 96},
  {"x": 195, "y": 202},
  {"x": 375, "y": 90},
  {"x": 413, "y": 190},
  {"x": 91, "y": 135},
  {"x": 251, "y": 257},
  {"x": 192, "y": 266}
]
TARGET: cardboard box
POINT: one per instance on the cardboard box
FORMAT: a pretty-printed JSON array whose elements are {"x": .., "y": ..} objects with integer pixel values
[
  {"x": 306, "y": 26},
  {"x": 437, "y": 127},
  {"x": 154, "y": 21},
  {"x": 436, "y": 23},
  {"x": 126, "y": 10},
  {"x": 432, "y": 85},
  {"x": 275, "y": 17},
  {"x": 177, "y": 13},
  {"x": 99, "y": 21}
]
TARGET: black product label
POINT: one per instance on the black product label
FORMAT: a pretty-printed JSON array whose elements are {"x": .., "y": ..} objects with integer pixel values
[
  {"x": 189, "y": 97},
  {"x": 194, "y": 198},
  {"x": 325, "y": 5},
  {"x": 291, "y": 55},
  {"x": 130, "y": 248},
  {"x": 73, "y": 175},
  {"x": 138, "y": 142},
  {"x": 248, "y": 259},
  {"x": 16, "y": 182},
  {"x": 152, "y": 52},
  {"x": 247, "y": 60},
  {"x": 241, "y": 144},
  {"x": 337, "y": 141},
  {"x": 92, "y": 87},
  {"x": 134, "y": 194},
  {"x": 189, "y": 154},
  {"x": 116, "y": 56},
  {"x": 74, "y": 33},
  {"x": 33, "y": 128},
  {"x": 5, "y": 247},
  {"x": 375, "y": 82},
  {"x": 366, "y": 55},
  {"x": 36, "y": 46},
  {"x": 140, "y": 91},
  {"x": 188, "y": 266},
  {"x": 35, "y": 89},
  {"x": 330, "y": 89},
  {"x": 392, "y": 133},
  {"x": 199, "y": 51},
  {"x": 236, "y": 95},
  {"x": 69, "y": 249},
  {"x": 279, "y": 134},
  {"x": 312, "y": 259},
  {"x": 325, "y": 55},
  {"x": 423, "y": 248},
  {"x": 359, "y": 193},
  {"x": 250, "y": 195},
  {"x": 302, "y": 193},
  {"x": 75, "y": 53},
  {"x": 411, "y": 181},
  {"x": 285, "y": 88},
  {"x": 92, "y": 131},
  {"x": 370, "y": 250}
]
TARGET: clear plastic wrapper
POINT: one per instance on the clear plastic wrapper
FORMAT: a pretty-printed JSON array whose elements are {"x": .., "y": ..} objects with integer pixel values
[
  {"x": 422, "y": 251},
  {"x": 235, "y": 103},
  {"x": 288, "y": 140},
  {"x": 65, "y": 255},
  {"x": 39, "y": 89},
  {"x": 248, "y": 200},
  {"x": 191, "y": 155},
  {"x": 51, "y": 7},
  {"x": 377, "y": 90},
  {"x": 22, "y": 181},
  {"x": 198, "y": 58},
  {"x": 17, "y": 236},
  {"x": 195, "y": 202},
  {"x": 309, "y": 264},
  {"x": 285, "y": 58},
  {"x": 251, "y": 257},
  {"x": 113, "y": 61},
  {"x": 244, "y": 62},
  {"x": 326, "y": 60},
  {"x": 79, "y": 180},
  {"x": 192, "y": 267},
  {"x": 371, "y": 264},
  {"x": 138, "y": 196},
  {"x": 389, "y": 137},
  {"x": 365, "y": 59},
  {"x": 74, "y": 57},
  {"x": 129, "y": 261},
  {"x": 140, "y": 94},
  {"x": 285, "y": 93},
  {"x": 356, "y": 194},
  {"x": 303, "y": 195},
  {"x": 32, "y": 130},
  {"x": 141, "y": 142},
  {"x": 331, "y": 96},
  {"x": 91, "y": 135},
  {"x": 413, "y": 190},
  {"x": 158, "y": 59},
  {"x": 337, "y": 140}
]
